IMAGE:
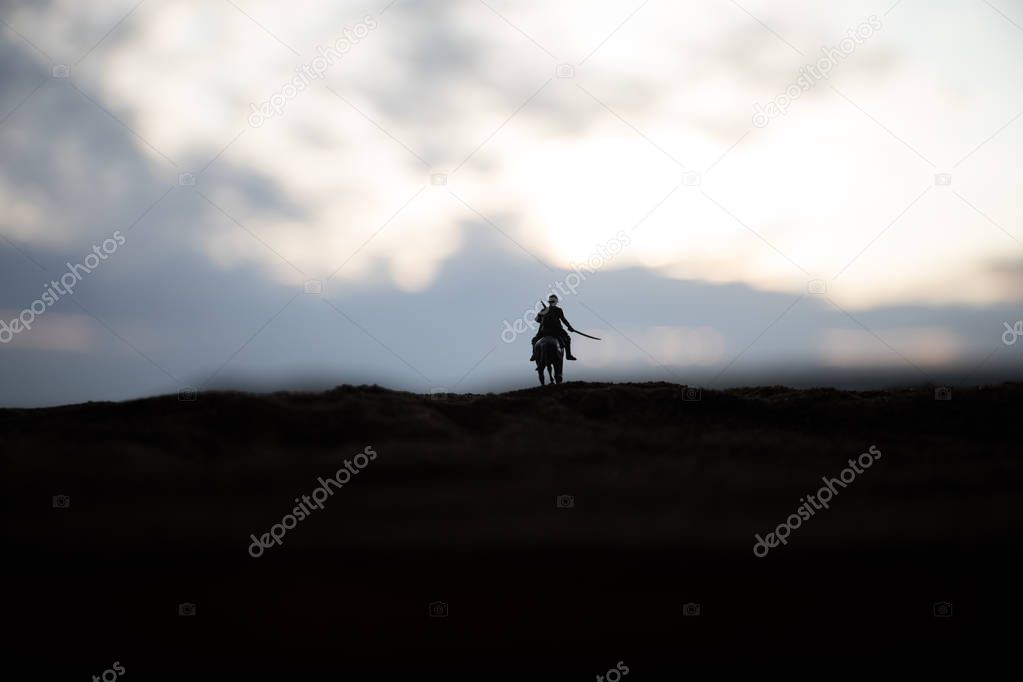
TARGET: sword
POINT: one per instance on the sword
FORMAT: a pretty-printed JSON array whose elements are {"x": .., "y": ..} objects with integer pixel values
[{"x": 595, "y": 338}]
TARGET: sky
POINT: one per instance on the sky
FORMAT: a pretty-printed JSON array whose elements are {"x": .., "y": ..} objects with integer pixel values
[{"x": 242, "y": 194}]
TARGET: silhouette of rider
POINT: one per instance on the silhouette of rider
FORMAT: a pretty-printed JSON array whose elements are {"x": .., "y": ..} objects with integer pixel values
[{"x": 550, "y": 319}]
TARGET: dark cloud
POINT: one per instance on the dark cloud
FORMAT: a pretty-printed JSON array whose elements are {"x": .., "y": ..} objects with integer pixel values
[
  {"x": 184, "y": 318},
  {"x": 199, "y": 316}
]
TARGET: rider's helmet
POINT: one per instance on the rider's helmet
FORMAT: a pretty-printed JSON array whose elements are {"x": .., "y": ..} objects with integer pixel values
[{"x": 552, "y": 299}]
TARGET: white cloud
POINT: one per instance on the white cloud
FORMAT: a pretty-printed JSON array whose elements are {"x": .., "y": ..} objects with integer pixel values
[{"x": 817, "y": 185}]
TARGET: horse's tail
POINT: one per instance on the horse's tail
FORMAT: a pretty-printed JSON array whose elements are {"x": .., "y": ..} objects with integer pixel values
[
  {"x": 548, "y": 353},
  {"x": 544, "y": 354}
]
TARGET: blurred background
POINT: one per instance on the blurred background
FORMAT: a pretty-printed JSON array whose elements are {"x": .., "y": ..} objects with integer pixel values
[{"x": 728, "y": 193}]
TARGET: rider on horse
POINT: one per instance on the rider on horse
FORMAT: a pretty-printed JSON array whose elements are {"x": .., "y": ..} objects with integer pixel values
[{"x": 550, "y": 319}]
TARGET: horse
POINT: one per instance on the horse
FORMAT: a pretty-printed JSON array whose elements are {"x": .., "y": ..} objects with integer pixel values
[{"x": 550, "y": 356}]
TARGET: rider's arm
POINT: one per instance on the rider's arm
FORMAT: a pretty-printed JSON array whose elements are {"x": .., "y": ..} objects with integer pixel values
[{"x": 567, "y": 323}]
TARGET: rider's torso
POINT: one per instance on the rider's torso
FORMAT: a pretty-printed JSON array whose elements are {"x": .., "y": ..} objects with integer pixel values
[{"x": 551, "y": 322}]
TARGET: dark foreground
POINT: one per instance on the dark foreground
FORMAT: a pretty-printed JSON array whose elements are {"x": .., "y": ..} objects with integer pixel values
[{"x": 460, "y": 507}]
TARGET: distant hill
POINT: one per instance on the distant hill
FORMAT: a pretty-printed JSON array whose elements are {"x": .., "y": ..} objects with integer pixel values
[
  {"x": 667, "y": 489},
  {"x": 747, "y": 453}
]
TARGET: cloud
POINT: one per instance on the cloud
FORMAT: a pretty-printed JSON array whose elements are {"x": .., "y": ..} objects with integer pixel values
[
  {"x": 338, "y": 187},
  {"x": 861, "y": 348},
  {"x": 62, "y": 333},
  {"x": 465, "y": 87}
]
